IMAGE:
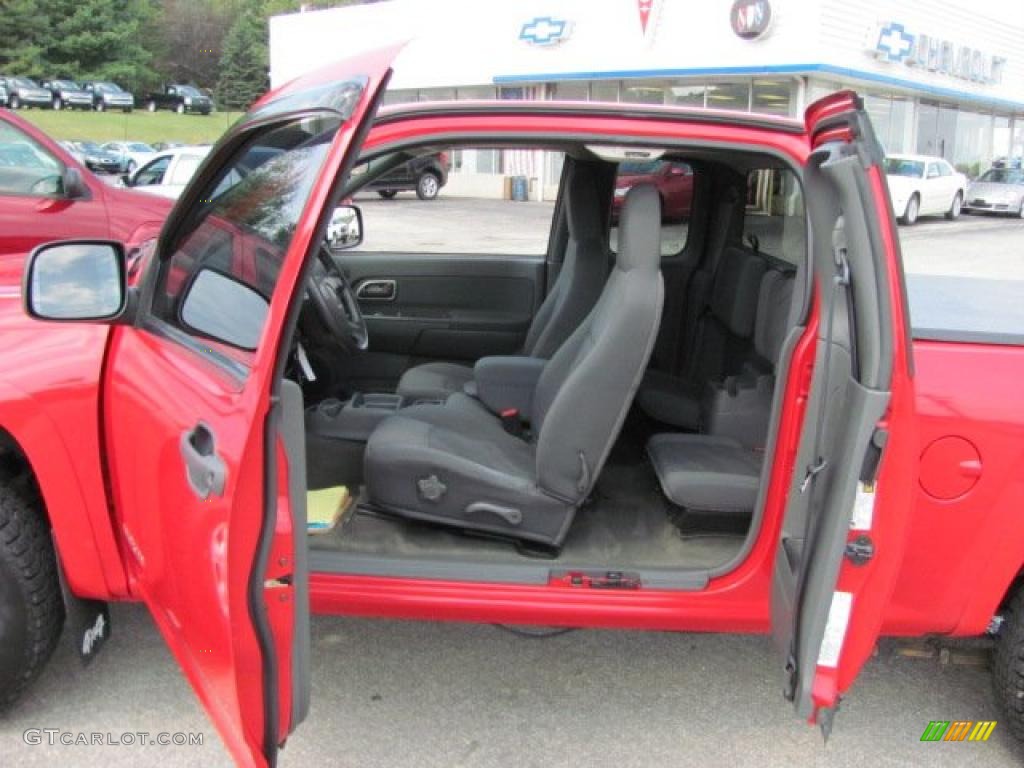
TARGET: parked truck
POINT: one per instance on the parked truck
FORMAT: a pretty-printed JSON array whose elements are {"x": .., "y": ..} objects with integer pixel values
[{"x": 159, "y": 435}]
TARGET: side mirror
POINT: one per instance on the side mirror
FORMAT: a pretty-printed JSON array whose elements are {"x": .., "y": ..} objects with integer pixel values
[
  {"x": 80, "y": 280},
  {"x": 74, "y": 184},
  {"x": 220, "y": 307},
  {"x": 345, "y": 229}
]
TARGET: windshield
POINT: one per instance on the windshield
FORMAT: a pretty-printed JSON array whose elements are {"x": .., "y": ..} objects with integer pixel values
[
  {"x": 1003, "y": 176},
  {"x": 106, "y": 88},
  {"x": 90, "y": 146},
  {"x": 188, "y": 90},
  {"x": 66, "y": 84},
  {"x": 638, "y": 168},
  {"x": 139, "y": 147},
  {"x": 899, "y": 166},
  {"x": 24, "y": 82}
]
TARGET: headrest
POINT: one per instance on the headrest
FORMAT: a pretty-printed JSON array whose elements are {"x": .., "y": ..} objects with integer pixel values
[
  {"x": 773, "y": 314},
  {"x": 581, "y": 206},
  {"x": 735, "y": 291},
  {"x": 639, "y": 241}
]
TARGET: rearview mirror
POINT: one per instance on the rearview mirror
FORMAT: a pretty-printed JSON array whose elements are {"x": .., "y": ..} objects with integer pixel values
[
  {"x": 82, "y": 280},
  {"x": 345, "y": 229},
  {"x": 220, "y": 307}
]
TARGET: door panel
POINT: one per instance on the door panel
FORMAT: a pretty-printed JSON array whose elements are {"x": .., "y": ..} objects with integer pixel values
[
  {"x": 456, "y": 307},
  {"x": 851, "y": 494}
]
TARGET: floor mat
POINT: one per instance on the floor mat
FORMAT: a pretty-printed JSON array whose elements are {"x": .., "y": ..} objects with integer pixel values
[{"x": 626, "y": 523}]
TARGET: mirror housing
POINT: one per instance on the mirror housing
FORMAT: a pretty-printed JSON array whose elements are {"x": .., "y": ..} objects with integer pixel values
[
  {"x": 74, "y": 184},
  {"x": 76, "y": 281},
  {"x": 345, "y": 229}
]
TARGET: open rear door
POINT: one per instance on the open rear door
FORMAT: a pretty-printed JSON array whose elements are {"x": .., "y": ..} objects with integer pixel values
[
  {"x": 852, "y": 491},
  {"x": 204, "y": 436}
]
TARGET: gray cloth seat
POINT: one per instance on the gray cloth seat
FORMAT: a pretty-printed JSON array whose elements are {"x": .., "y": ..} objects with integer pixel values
[
  {"x": 715, "y": 473},
  {"x": 721, "y": 347},
  {"x": 579, "y": 283},
  {"x": 453, "y": 463}
]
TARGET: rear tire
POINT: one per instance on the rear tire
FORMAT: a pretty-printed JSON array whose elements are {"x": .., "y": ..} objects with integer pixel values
[
  {"x": 180, "y": 109},
  {"x": 387, "y": 194},
  {"x": 30, "y": 598},
  {"x": 15, "y": 102},
  {"x": 151, "y": 106},
  {"x": 57, "y": 103},
  {"x": 955, "y": 207},
  {"x": 910, "y": 215},
  {"x": 427, "y": 186},
  {"x": 101, "y": 106},
  {"x": 1008, "y": 664}
]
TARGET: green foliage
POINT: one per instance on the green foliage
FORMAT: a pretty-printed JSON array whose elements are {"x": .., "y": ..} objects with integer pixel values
[
  {"x": 244, "y": 62},
  {"x": 22, "y": 45}
]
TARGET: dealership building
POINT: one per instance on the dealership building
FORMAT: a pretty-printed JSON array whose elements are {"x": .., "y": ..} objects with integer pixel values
[{"x": 938, "y": 77}]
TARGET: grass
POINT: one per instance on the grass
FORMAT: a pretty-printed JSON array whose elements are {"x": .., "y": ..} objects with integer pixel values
[{"x": 139, "y": 125}]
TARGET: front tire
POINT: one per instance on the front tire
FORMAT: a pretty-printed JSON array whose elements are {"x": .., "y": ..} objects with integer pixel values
[
  {"x": 910, "y": 215},
  {"x": 15, "y": 102},
  {"x": 955, "y": 207},
  {"x": 151, "y": 106},
  {"x": 180, "y": 109},
  {"x": 57, "y": 103},
  {"x": 427, "y": 186},
  {"x": 30, "y": 598},
  {"x": 101, "y": 106},
  {"x": 1008, "y": 664},
  {"x": 387, "y": 194}
]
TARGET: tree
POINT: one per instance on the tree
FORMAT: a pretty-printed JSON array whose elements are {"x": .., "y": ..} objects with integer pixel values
[
  {"x": 244, "y": 62},
  {"x": 21, "y": 46},
  {"x": 189, "y": 39}
]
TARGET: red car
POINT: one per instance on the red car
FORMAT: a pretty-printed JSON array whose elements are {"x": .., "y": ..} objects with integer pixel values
[
  {"x": 45, "y": 194},
  {"x": 843, "y": 476},
  {"x": 674, "y": 182}
]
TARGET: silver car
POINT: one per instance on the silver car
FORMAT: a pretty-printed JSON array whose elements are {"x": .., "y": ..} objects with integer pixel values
[{"x": 998, "y": 190}]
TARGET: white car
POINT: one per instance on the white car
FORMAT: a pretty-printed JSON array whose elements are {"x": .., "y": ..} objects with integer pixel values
[
  {"x": 133, "y": 154},
  {"x": 167, "y": 172},
  {"x": 923, "y": 186}
]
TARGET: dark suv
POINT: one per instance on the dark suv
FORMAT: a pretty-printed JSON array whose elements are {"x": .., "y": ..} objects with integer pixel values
[{"x": 425, "y": 175}]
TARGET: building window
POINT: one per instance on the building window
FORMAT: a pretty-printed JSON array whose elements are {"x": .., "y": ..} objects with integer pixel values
[
  {"x": 604, "y": 90},
  {"x": 774, "y": 97},
  {"x": 475, "y": 93},
  {"x": 643, "y": 92},
  {"x": 973, "y": 151},
  {"x": 1001, "y": 138},
  {"x": 1017, "y": 150},
  {"x": 437, "y": 94},
  {"x": 400, "y": 96},
  {"x": 729, "y": 96},
  {"x": 572, "y": 91},
  {"x": 889, "y": 116},
  {"x": 686, "y": 95}
]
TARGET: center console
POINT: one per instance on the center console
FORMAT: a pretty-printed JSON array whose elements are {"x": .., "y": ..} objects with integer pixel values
[{"x": 336, "y": 435}]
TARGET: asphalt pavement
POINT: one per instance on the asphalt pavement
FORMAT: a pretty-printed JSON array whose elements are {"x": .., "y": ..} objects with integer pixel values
[{"x": 397, "y": 694}]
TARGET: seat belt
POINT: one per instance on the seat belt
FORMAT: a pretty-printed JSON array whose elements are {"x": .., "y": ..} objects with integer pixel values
[{"x": 840, "y": 285}]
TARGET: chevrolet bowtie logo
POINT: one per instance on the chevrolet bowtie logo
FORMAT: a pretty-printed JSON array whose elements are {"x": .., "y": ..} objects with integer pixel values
[{"x": 545, "y": 30}]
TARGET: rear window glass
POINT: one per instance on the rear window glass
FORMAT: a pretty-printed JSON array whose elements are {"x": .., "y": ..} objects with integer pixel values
[
  {"x": 775, "y": 223},
  {"x": 675, "y": 184}
]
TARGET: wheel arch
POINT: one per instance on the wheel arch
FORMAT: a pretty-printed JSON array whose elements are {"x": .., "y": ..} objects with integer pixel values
[{"x": 31, "y": 442}]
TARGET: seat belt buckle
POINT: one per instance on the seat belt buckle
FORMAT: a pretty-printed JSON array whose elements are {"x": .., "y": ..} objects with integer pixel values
[{"x": 511, "y": 422}]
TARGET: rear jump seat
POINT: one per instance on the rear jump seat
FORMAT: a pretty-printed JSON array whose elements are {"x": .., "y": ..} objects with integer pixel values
[
  {"x": 721, "y": 346},
  {"x": 708, "y": 472}
]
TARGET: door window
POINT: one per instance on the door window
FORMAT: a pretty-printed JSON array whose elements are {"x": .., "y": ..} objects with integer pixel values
[
  {"x": 775, "y": 222},
  {"x": 153, "y": 173},
  {"x": 25, "y": 167},
  {"x": 675, "y": 184},
  {"x": 184, "y": 169},
  {"x": 246, "y": 221}
]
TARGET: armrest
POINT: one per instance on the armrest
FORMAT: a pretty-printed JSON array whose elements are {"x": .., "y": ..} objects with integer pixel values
[{"x": 502, "y": 383}]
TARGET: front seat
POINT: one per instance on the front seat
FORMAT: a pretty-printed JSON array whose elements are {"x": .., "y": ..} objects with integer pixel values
[
  {"x": 584, "y": 271},
  {"x": 453, "y": 463}
]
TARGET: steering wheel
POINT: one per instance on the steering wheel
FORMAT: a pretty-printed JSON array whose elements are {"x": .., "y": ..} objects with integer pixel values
[{"x": 335, "y": 304}]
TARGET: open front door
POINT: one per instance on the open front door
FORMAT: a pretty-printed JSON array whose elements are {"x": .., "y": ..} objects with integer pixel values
[
  {"x": 852, "y": 491},
  {"x": 203, "y": 435}
]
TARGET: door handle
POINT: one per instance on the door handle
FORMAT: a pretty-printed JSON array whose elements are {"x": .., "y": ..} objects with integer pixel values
[
  {"x": 204, "y": 469},
  {"x": 377, "y": 290}
]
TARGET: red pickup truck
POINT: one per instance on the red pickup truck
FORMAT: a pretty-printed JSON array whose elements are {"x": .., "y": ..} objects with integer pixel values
[{"x": 725, "y": 439}]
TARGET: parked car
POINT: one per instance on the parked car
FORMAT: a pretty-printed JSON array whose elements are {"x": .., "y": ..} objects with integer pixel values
[
  {"x": 425, "y": 175},
  {"x": 3, "y": 92},
  {"x": 131, "y": 154},
  {"x": 921, "y": 185},
  {"x": 999, "y": 190},
  {"x": 23, "y": 92},
  {"x": 180, "y": 99},
  {"x": 94, "y": 157},
  {"x": 157, "y": 439},
  {"x": 168, "y": 172},
  {"x": 107, "y": 95},
  {"x": 67, "y": 93},
  {"x": 674, "y": 182},
  {"x": 47, "y": 194},
  {"x": 160, "y": 146}
]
